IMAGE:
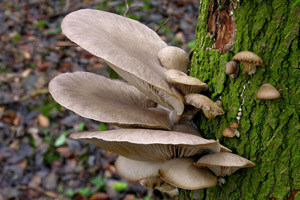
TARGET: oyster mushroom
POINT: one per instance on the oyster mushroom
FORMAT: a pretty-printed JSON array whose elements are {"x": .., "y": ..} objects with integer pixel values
[
  {"x": 174, "y": 58},
  {"x": 210, "y": 109},
  {"x": 128, "y": 47},
  {"x": 185, "y": 83},
  {"x": 135, "y": 170},
  {"x": 148, "y": 145},
  {"x": 159, "y": 184},
  {"x": 223, "y": 163},
  {"x": 249, "y": 59},
  {"x": 110, "y": 101},
  {"x": 231, "y": 130},
  {"x": 183, "y": 174},
  {"x": 232, "y": 69},
  {"x": 267, "y": 92}
]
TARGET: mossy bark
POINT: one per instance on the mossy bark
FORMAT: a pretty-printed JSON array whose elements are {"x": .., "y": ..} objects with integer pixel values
[{"x": 269, "y": 130}]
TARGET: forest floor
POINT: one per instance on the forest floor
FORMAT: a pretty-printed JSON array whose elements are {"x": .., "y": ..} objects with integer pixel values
[{"x": 37, "y": 160}]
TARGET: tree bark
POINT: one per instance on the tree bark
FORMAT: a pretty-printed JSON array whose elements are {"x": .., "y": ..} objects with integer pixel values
[{"x": 269, "y": 130}]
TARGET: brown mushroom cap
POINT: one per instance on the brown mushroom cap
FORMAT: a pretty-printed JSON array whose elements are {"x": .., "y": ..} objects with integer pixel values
[
  {"x": 187, "y": 84},
  {"x": 174, "y": 58},
  {"x": 183, "y": 174},
  {"x": 134, "y": 170},
  {"x": 249, "y": 59},
  {"x": 267, "y": 92},
  {"x": 223, "y": 163},
  {"x": 111, "y": 101},
  {"x": 210, "y": 109},
  {"x": 231, "y": 67},
  {"x": 147, "y": 144},
  {"x": 128, "y": 46},
  {"x": 228, "y": 132}
]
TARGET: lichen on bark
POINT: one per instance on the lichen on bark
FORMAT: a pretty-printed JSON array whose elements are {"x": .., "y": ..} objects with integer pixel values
[{"x": 270, "y": 130}]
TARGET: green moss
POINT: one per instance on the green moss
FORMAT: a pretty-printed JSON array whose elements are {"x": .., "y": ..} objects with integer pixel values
[{"x": 270, "y": 130}]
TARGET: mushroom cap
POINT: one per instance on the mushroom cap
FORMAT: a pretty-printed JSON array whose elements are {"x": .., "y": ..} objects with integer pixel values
[
  {"x": 187, "y": 84},
  {"x": 234, "y": 125},
  {"x": 172, "y": 57},
  {"x": 228, "y": 132},
  {"x": 248, "y": 57},
  {"x": 111, "y": 101},
  {"x": 183, "y": 174},
  {"x": 128, "y": 46},
  {"x": 267, "y": 92},
  {"x": 147, "y": 144},
  {"x": 157, "y": 183},
  {"x": 223, "y": 163},
  {"x": 250, "y": 61},
  {"x": 210, "y": 109},
  {"x": 231, "y": 67},
  {"x": 134, "y": 170}
]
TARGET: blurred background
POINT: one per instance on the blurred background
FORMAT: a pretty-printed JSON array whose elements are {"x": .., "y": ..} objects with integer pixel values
[{"x": 37, "y": 160}]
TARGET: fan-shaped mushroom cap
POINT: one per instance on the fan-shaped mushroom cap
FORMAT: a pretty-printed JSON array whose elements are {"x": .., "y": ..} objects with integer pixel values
[
  {"x": 210, "y": 109},
  {"x": 174, "y": 58},
  {"x": 223, "y": 163},
  {"x": 228, "y": 132},
  {"x": 128, "y": 46},
  {"x": 249, "y": 59},
  {"x": 267, "y": 92},
  {"x": 159, "y": 184},
  {"x": 232, "y": 69},
  {"x": 135, "y": 170},
  {"x": 148, "y": 145},
  {"x": 187, "y": 84},
  {"x": 183, "y": 174},
  {"x": 112, "y": 101}
]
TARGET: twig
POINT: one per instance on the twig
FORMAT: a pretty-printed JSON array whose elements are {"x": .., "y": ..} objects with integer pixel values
[
  {"x": 127, "y": 8},
  {"x": 166, "y": 21}
]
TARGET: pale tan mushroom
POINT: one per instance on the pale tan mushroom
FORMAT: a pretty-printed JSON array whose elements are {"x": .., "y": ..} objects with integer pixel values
[
  {"x": 135, "y": 170},
  {"x": 183, "y": 174},
  {"x": 111, "y": 101},
  {"x": 250, "y": 60},
  {"x": 149, "y": 145},
  {"x": 174, "y": 58},
  {"x": 223, "y": 163},
  {"x": 210, "y": 109},
  {"x": 128, "y": 46},
  {"x": 185, "y": 83},
  {"x": 159, "y": 184},
  {"x": 267, "y": 92}
]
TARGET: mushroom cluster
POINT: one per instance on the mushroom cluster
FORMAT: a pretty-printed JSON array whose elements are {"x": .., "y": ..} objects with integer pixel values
[{"x": 156, "y": 141}]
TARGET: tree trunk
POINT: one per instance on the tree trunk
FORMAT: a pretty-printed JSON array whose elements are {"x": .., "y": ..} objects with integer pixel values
[{"x": 269, "y": 130}]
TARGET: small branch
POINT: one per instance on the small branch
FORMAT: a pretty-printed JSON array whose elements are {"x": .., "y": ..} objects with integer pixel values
[
  {"x": 127, "y": 8},
  {"x": 166, "y": 21}
]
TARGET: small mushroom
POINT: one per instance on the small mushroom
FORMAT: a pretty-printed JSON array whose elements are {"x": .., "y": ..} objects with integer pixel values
[
  {"x": 174, "y": 58},
  {"x": 250, "y": 60},
  {"x": 228, "y": 132},
  {"x": 223, "y": 163},
  {"x": 219, "y": 103},
  {"x": 210, "y": 109},
  {"x": 232, "y": 69},
  {"x": 147, "y": 144},
  {"x": 183, "y": 174},
  {"x": 185, "y": 83},
  {"x": 134, "y": 170},
  {"x": 267, "y": 92},
  {"x": 159, "y": 184}
]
